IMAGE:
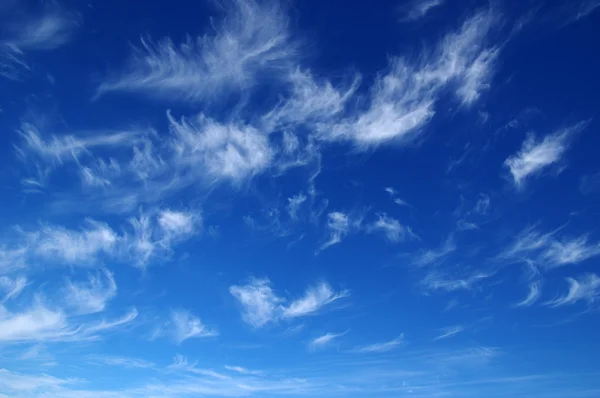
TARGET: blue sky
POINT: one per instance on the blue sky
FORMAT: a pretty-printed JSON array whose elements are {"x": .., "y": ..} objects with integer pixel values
[{"x": 233, "y": 198}]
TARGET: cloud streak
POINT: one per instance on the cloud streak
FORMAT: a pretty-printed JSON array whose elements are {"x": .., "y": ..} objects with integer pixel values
[
  {"x": 251, "y": 42},
  {"x": 536, "y": 156}
]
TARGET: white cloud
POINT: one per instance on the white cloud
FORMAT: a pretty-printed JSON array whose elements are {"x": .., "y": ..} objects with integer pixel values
[
  {"x": 93, "y": 296},
  {"x": 449, "y": 332},
  {"x": 442, "y": 280},
  {"x": 585, "y": 288},
  {"x": 184, "y": 325},
  {"x": 338, "y": 226},
  {"x": 417, "y": 9},
  {"x": 180, "y": 363},
  {"x": 260, "y": 304},
  {"x": 12, "y": 287},
  {"x": 216, "y": 151},
  {"x": 548, "y": 250},
  {"x": 242, "y": 370},
  {"x": 324, "y": 340},
  {"x": 50, "y": 29},
  {"x": 18, "y": 383},
  {"x": 315, "y": 298},
  {"x": 430, "y": 256},
  {"x": 294, "y": 204},
  {"x": 90, "y": 330},
  {"x": 381, "y": 347},
  {"x": 36, "y": 323},
  {"x": 402, "y": 100},
  {"x": 464, "y": 225},
  {"x": 533, "y": 295},
  {"x": 536, "y": 156},
  {"x": 483, "y": 204},
  {"x": 310, "y": 101},
  {"x": 251, "y": 42},
  {"x": 390, "y": 227},
  {"x": 124, "y": 362},
  {"x": 573, "y": 251},
  {"x": 177, "y": 223},
  {"x": 75, "y": 247}
]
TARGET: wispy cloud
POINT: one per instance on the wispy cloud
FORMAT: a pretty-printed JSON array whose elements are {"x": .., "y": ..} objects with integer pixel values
[
  {"x": 585, "y": 288},
  {"x": 417, "y": 9},
  {"x": 536, "y": 156},
  {"x": 251, "y": 42},
  {"x": 242, "y": 370},
  {"x": 294, "y": 204},
  {"x": 534, "y": 294},
  {"x": 184, "y": 325},
  {"x": 443, "y": 280},
  {"x": 389, "y": 227},
  {"x": 231, "y": 152},
  {"x": 338, "y": 226},
  {"x": 11, "y": 287},
  {"x": 430, "y": 256},
  {"x": 402, "y": 99},
  {"x": 261, "y": 305},
  {"x": 75, "y": 247},
  {"x": 48, "y": 28},
  {"x": 449, "y": 332},
  {"x": 315, "y": 298},
  {"x": 91, "y": 297},
  {"x": 324, "y": 340},
  {"x": 39, "y": 322},
  {"x": 259, "y": 302},
  {"x": 124, "y": 362},
  {"x": 180, "y": 363},
  {"x": 380, "y": 347},
  {"x": 548, "y": 250}
]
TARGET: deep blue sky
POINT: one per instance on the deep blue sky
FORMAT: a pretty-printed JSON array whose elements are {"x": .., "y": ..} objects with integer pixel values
[{"x": 270, "y": 198}]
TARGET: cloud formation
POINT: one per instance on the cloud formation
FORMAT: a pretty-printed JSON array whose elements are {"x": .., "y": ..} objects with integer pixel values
[
  {"x": 536, "y": 156},
  {"x": 261, "y": 305},
  {"x": 251, "y": 42}
]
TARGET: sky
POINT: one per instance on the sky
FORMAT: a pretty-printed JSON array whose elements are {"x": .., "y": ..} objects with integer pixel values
[{"x": 244, "y": 198}]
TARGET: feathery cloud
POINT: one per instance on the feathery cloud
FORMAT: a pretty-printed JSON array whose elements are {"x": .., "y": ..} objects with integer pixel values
[
  {"x": 449, "y": 332},
  {"x": 260, "y": 303},
  {"x": 380, "y": 347},
  {"x": 242, "y": 370},
  {"x": 231, "y": 152},
  {"x": 537, "y": 155},
  {"x": 184, "y": 325},
  {"x": 180, "y": 363},
  {"x": 324, "y": 340},
  {"x": 548, "y": 250},
  {"x": 402, "y": 100},
  {"x": 294, "y": 204},
  {"x": 338, "y": 226},
  {"x": 124, "y": 362},
  {"x": 75, "y": 247},
  {"x": 251, "y": 42},
  {"x": 585, "y": 288},
  {"x": 91, "y": 297},
  {"x": 315, "y": 298},
  {"x": 12, "y": 287},
  {"x": 440, "y": 280},
  {"x": 390, "y": 227},
  {"x": 430, "y": 256},
  {"x": 416, "y": 9},
  {"x": 533, "y": 295}
]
